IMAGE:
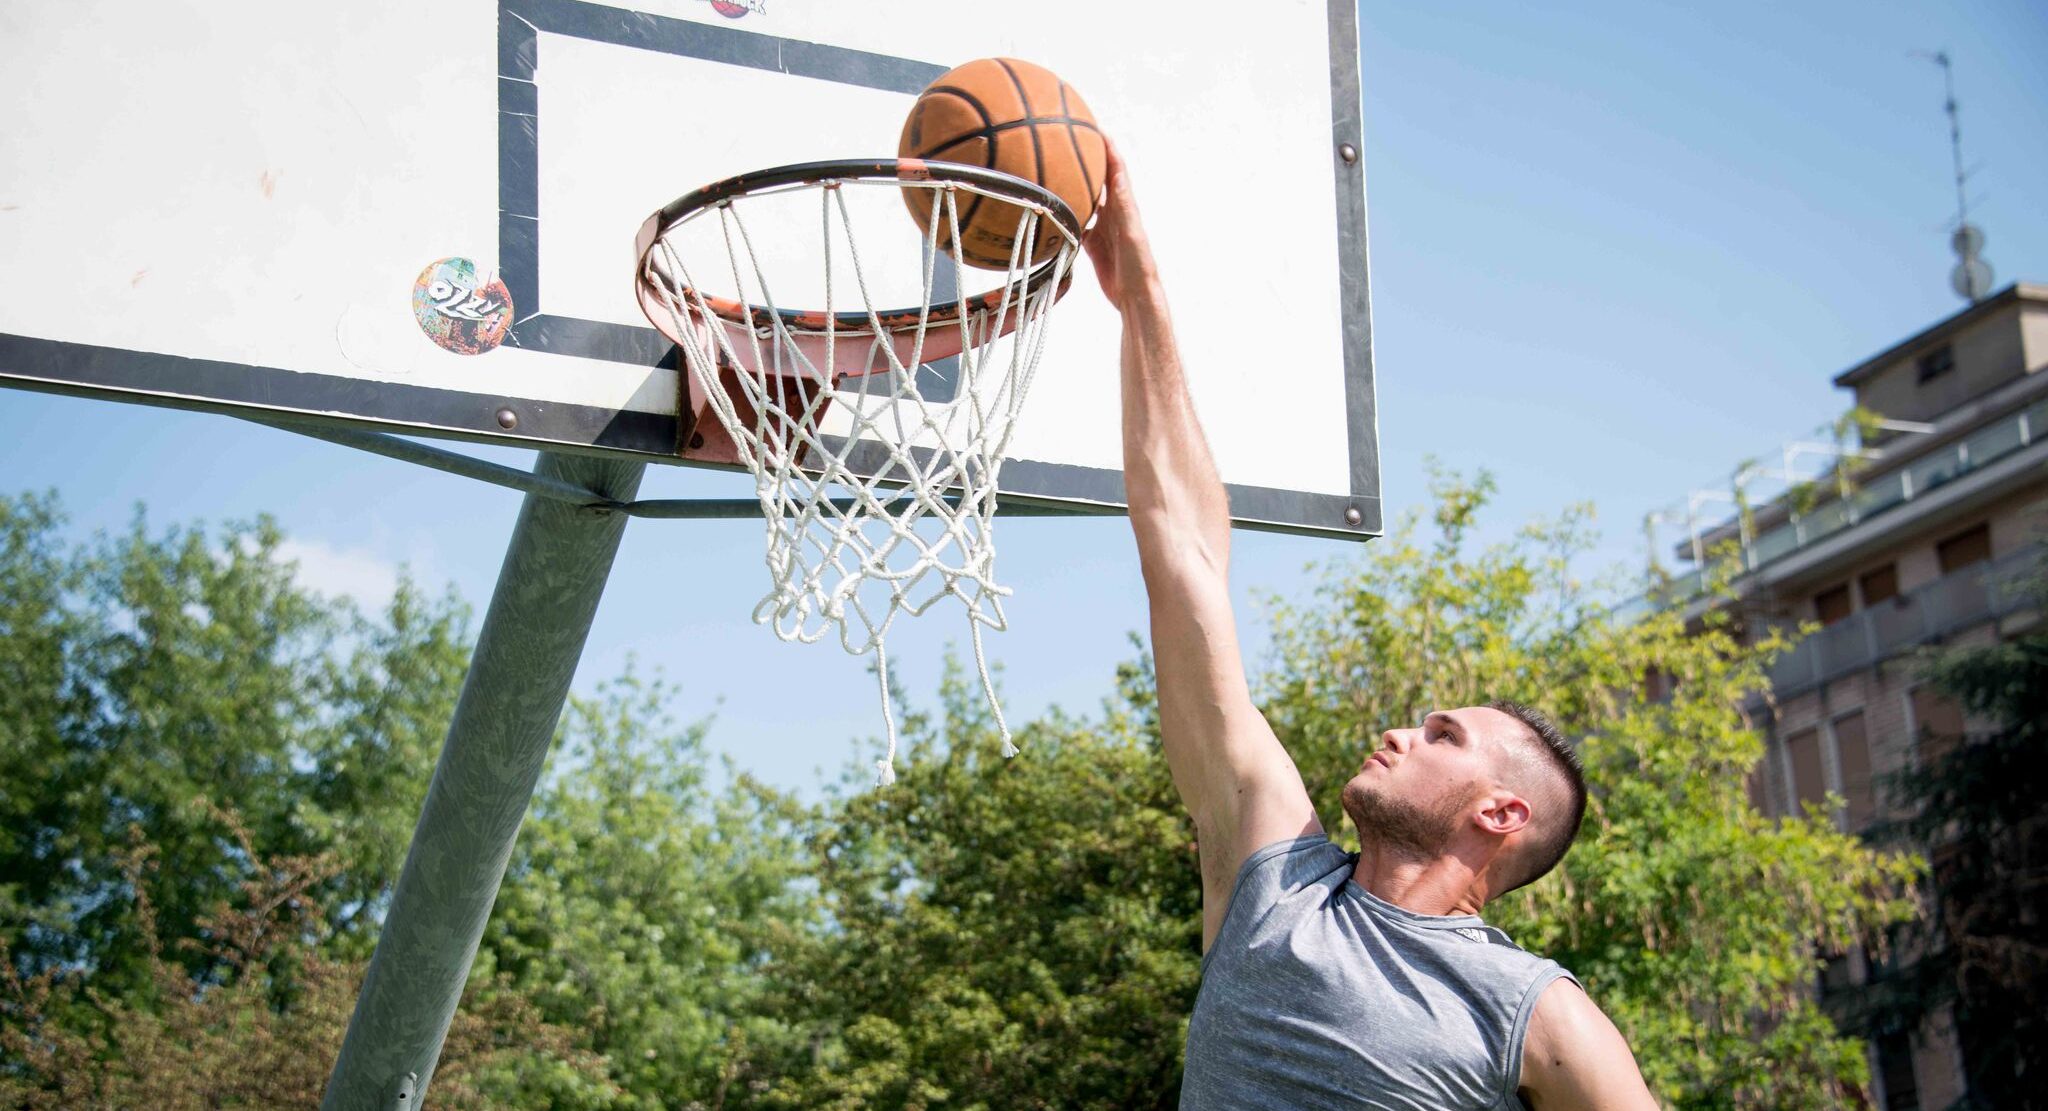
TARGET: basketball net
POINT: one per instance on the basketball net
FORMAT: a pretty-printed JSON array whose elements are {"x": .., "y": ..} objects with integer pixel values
[{"x": 878, "y": 500}]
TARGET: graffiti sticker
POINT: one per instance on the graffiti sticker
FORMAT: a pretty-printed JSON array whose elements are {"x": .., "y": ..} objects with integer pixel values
[
  {"x": 739, "y": 9},
  {"x": 460, "y": 311}
]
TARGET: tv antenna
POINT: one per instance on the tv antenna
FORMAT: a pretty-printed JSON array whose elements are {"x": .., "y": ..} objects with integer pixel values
[{"x": 1971, "y": 278}]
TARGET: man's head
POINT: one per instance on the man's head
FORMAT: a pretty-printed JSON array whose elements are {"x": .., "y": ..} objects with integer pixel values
[{"x": 1496, "y": 780}]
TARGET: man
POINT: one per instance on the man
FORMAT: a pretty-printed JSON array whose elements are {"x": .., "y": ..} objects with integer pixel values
[{"x": 1334, "y": 981}]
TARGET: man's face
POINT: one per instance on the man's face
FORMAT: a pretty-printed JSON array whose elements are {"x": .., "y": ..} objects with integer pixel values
[{"x": 1418, "y": 788}]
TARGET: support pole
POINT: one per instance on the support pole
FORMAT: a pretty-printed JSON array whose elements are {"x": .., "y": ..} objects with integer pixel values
[{"x": 526, "y": 653}]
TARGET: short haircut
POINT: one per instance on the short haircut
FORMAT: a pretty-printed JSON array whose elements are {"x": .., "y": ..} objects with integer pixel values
[{"x": 1557, "y": 761}]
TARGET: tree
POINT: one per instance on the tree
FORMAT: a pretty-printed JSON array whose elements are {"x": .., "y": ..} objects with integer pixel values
[
  {"x": 1691, "y": 918},
  {"x": 986, "y": 933},
  {"x": 1983, "y": 950},
  {"x": 1003, "y": 933},
  {"x": 144, "y": 677},
  {"x": 141, "y": 673},
  {"x": 640, "y": 903},
  {"x": 262, "y": 1026}
]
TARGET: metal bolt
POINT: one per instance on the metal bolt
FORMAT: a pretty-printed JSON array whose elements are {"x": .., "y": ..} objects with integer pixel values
[
  {"x": 508, "y": 419},
  {"x": 1353, "y": 517},
  {"x": 1348, "y": 153}
]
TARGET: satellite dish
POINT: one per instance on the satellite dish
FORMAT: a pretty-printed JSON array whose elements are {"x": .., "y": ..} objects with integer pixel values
[{"x": 1971, "y": 278}]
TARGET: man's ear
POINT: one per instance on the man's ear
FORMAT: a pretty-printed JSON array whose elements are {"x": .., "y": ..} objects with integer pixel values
[{"x": 1503, "y": 813}]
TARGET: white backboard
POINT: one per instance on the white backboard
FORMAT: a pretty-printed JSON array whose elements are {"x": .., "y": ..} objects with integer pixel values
[{"x": 227, "y": 206}]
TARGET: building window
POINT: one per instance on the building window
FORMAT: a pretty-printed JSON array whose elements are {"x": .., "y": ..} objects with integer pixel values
[
  {"x": 1970, "y": 546},
  {"x": 1759, "y": 791},
  {"x": 1937, "y": 362},
  {"x": 1852, "y": 755},
  {"x": 1835, "y": 974},
  {"x": 1937, "y": 724},
  {"x": 1880, "y": 585},
  {"x": 1895, "y": 1072},
  {"x": 1832, "y": 605},
  {"x": 1809, "y": 782}
]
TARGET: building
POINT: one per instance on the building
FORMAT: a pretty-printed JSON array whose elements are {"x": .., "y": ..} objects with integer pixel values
[{"x": 1946, "y": 511}]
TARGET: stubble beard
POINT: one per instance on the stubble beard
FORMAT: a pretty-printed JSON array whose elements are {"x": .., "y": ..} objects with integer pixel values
[{"x": 1394, "y": 822}]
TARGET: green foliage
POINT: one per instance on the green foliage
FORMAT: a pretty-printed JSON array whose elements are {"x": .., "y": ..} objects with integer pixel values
[
  {"x": 982, "y": 934},
  {"x": 262, "y": 1027},
  {"x": 143, "y": 673},
  {"x": 1691, "y": 918},
  {"x": 1019, "y": 933},
  {"x": 639, "y": 904},
  {"x": 1983, "y": 951}
]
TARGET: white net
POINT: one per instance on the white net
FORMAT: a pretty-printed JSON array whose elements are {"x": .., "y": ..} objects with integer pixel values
[{"x": 875, "y": 436}]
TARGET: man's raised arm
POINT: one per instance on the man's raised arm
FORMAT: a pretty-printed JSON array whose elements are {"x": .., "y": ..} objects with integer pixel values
[{"x": 1232, "y": 774}]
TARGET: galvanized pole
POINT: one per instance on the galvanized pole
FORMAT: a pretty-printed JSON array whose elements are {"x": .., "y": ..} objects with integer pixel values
[{"x": 554, "y": 572}]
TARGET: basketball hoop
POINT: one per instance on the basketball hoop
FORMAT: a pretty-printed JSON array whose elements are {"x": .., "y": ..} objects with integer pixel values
[{"x": 878, "y": 491}]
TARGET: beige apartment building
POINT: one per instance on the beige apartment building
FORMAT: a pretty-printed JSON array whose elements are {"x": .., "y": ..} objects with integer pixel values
[{"x": 1948, "y": 512}]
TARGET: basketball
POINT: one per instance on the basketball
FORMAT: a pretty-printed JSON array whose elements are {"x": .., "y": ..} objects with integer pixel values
[{"x": 1008, "y": 115}]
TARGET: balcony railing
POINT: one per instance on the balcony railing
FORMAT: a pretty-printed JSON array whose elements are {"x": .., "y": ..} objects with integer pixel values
[
  {"x": 1987, "y": 445},
  {"x": 1979, "y": 449},
  {"x": 1926, "y": 615}
]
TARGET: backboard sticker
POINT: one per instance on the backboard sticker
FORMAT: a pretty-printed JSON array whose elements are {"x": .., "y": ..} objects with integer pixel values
[
  {"x": 459, "y": 312},
  {"x": 738, "y": 9}
]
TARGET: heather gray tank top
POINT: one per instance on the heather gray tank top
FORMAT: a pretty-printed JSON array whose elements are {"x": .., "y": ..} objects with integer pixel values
[{"x": 1318, "y": 995}]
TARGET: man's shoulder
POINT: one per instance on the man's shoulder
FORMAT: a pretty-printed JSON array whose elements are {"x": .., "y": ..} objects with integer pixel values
[{"x": 1574, "y": 1055}]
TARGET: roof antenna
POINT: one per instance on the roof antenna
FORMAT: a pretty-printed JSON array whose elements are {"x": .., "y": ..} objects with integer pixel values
[{"x": 1971, "y": 278}]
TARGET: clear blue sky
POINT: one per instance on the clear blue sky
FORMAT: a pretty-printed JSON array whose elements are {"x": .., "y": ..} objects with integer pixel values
[{"x": 1614, "y": 250}]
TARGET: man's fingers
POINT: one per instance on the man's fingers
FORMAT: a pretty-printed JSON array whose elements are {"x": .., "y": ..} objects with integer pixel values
[
  {"x": 1117, "y": 173},
  {"x": 1112, "y": 161},
  {"x": 1115, "y": 241},
  {"x": 1116, "y": 177}
]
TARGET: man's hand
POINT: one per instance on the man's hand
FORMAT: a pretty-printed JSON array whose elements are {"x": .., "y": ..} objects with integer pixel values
[{"x": 1116, "y": 242}]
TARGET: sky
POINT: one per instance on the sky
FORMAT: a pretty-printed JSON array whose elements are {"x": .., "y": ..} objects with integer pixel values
[{"x": 1615, "y": 248}]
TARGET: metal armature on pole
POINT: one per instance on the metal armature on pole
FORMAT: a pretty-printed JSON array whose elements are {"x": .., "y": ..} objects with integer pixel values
[
  {"x": 526, "y": 653},
  {"x": 1972, "y": 277}
]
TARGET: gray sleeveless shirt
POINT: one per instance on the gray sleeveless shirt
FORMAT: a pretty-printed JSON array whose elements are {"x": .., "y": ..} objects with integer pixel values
[{"x": 1316, "y": 994}]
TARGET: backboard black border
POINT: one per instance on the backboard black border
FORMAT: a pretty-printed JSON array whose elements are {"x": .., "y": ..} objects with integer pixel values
[{"x": 137, "y": 376}]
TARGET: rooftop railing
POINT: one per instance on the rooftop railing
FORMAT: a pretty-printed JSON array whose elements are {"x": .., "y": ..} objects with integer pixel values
[{"x": 1870, "y": 499}]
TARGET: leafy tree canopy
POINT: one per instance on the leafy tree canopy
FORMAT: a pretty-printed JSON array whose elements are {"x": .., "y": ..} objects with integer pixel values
[{"x": 985, "y": 933}]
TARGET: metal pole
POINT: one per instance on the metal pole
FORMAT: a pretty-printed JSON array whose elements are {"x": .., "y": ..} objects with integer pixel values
[{"x": 532, "y": 636}]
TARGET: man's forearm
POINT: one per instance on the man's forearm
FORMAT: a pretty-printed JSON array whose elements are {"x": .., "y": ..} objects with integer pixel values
[{"x": 1170, "y": 480}]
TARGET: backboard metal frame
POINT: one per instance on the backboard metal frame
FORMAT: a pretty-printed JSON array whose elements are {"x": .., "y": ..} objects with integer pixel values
[{"x": 410, "y": 409}]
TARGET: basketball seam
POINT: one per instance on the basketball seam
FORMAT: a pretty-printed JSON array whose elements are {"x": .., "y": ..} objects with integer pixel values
[
  {"x": 1024, "y": 98},
  {"x": 966, "y": 218},
  {"x": 1080, "y": 160},
  {"x": 981, "y": 110},
  {"x": 991, "y": 131}
]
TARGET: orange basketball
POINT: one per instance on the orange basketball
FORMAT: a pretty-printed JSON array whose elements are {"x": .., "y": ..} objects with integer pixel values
[{"x": 1012, "y": 116}]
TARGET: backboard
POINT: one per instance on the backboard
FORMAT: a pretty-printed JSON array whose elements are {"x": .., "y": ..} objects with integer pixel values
[{"x": 419, "y": 218}]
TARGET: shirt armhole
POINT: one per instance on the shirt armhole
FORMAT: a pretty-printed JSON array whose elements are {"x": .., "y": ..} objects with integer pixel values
[
  {"x": 1518, "y": 1034},
  {"x": 1259, "y": 856}
]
